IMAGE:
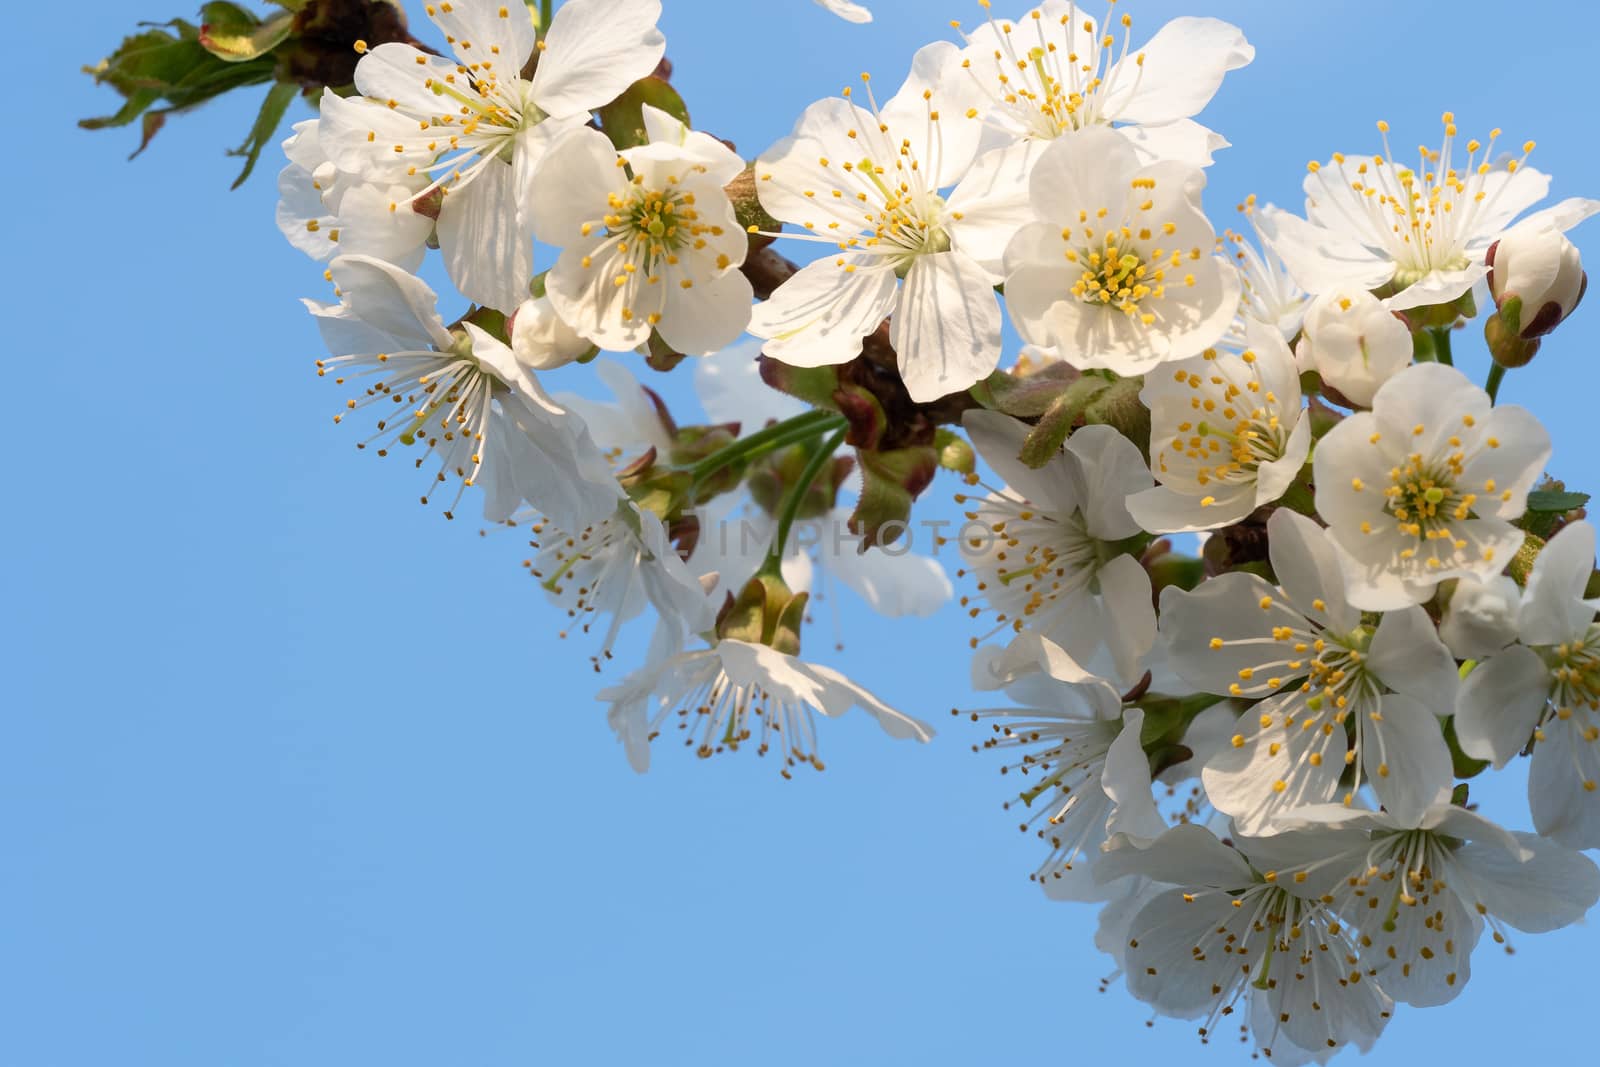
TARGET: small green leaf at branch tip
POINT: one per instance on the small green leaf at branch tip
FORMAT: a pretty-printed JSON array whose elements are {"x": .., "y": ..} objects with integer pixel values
[
  {"x": 1557, "y": 502},
  {"x": 890, "y": 482},
  {"x": 622, "y": 120},
  {"x": 235, "y": 35}
]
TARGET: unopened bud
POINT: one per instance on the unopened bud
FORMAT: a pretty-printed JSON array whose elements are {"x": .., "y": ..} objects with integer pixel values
[
  {"x": 541, "y": 339},
  {"x": 1480, "y": 618},
  {"x": 1354, "y": 342},
  {"x": 1541, "y": 267}
]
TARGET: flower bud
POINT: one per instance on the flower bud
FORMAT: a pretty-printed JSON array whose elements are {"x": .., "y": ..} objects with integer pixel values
[
  {"x": 1541, "y": 267},
  {"x": 1481, "y": 617},
  {"x": 1354, "y": 342},
  {"x": 541, "y": 340}
]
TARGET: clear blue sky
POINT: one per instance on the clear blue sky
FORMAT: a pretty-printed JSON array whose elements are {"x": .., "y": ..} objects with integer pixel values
[{"x": 294, "y": 772}]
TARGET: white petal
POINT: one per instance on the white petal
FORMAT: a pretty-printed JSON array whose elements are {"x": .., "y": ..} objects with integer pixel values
[
  {"x": 1175, "y": 75},
  {"x": 1515, "y": 462},
  {"x": 1112, "y": 470},
  {"x": 998, "y": 439},
  {"x": 484, "y": 31},
  {"x": 946, "y": 328},
  {"x": 1184, "y": 141},
  {"x": 595, "y": 50},
  {"x": 1554, "y": 887},
  {"x": 1186, "y": 855},
  {"x": 1125, "y": 778},
  {"x": 993, "y": 204},
  {"x": 578, "y": 171},
  {"x": 1563, "y": 809},
  {"x": 893, "y": 585},
  {"x": 1481, "y": 617},
  {"x": 1163, "y": 511},
  {"x": 1552, "y": 609},
  {"x": 818, "y": 317},
  {"x": 1408, "y": 657},
  {"x": 1405, "y": 757},
  {"x": 708, "y": 316},
  {"x": 1500, "y": 704},
  {"x": 848, "y": 11},
  {"x": 389, "y": 299},
  {"x": 1307, "y": 566},
  {"x": 1320, "y": 259},
  {"x": 488, "y": 253},
  {"x": 1130, "y": 611}
]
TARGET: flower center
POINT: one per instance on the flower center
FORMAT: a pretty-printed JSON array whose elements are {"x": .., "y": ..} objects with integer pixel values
[
  {"x": 1423, "y": 499},
  {"x": 1575, "y": 667},
  {"x": 1423, "y": 218}
]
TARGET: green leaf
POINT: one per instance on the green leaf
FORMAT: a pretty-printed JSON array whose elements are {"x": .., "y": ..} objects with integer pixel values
[
  {"x": 271, "y": 113},
  {"x": 623, "y": 118},
  {"x": 1556, "y": 501},
  {"x": 234, "y": 35}
]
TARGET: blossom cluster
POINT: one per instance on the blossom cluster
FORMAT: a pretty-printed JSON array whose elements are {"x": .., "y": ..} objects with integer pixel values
[{"x": 1255, "y": 759}]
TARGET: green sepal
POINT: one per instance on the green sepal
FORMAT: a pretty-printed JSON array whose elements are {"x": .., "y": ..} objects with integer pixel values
[
  {"x": 814, "y": 385},
  {"x": 1462, "y": 764},
  {"x": 1119, "y": 407},
  {"x": 890, "y": 482},
  {"x": 622, "y": 120},
  {"x": 1026, "y": 396},
  {"x": 765, "y": 612},
  {"x": 1068, "y": 409}
]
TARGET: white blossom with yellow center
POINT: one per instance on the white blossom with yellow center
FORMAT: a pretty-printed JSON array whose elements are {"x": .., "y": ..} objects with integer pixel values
[
  {"x": 649, "y": 239},
  {"x": 1214, "y": 938},
  {"x": 1084, "y": 775},
  {"x": 869, "y": 183},
  {"x": 1271, "y": 295},
  {"x": 1547, "y": 689},
  {"x": 733, "y": 693},
  {"x": 477, "y": 416},
  {"x": 1425, "y": 485},
  {"x": 1373, "y": 221},
  {"x": 1055, "y": 70},
  {"x": 612, "y": 569},
  {"x": 478, "y": 130},
  {"x": 1120, "y": 273},
  {"x": 1335, "y": 692},
  {"x": 1228, "y": 435},
  {"x": 326, "y": 212},
  {"x": 1417, "y": 893},
  {"x": 1044, "y": 552}
]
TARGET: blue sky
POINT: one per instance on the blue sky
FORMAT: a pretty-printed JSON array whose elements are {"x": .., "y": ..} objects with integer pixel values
[{"x": 295, "y": 772}]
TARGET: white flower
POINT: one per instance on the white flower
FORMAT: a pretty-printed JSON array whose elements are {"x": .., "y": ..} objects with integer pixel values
[
  {"x": 1425, "y": 485},
  {"x": 1228, "y": 435},
  {"x": 1270, "y": 293},
  {"x": 542, "y": 339},
  {"x": 1336, "y": 692},
  {"x": 725, "y": 695},
  {"x": 1354, "y": 342},
  {"x": 479, "y": 130},
  {"x": 1372, "y": 221},
  {"x": 1085, "y": 775},
  {"x": 1480, "y": 618},
  {"x": 1051, "y": 72},
  {"x": 868, "y": 181},
  {"x": 1120, "y": 273},
  {"x": 1537, "y": 264},
  {"x": 613, "y": 568},
  {"x": 325, "y": 212},
  {"x": 846, "y": 10},
  {"x": 1223, "y": 935},
  {"x": 480, "y": 416},
  {"x": 1419, "y": 891},
  {"x": 1043, "y": 550},
  {"x": 1547, "y": 688},
  {"x": 653, "y": 246}
]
